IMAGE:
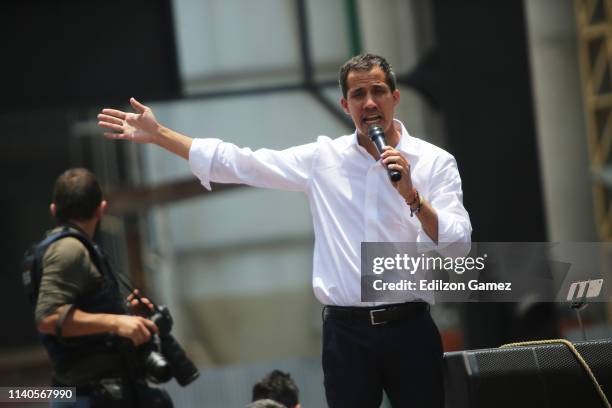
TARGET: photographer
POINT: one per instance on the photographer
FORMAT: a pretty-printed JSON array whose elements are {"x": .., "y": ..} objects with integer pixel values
[{"x": 92, "y": 341}]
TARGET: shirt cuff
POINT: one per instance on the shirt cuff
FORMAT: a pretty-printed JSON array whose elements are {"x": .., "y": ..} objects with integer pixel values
[
  {"x": 201, "y": 155},
  {"x": 451, "y": 236},
  {"x": 424, "y": 242}
]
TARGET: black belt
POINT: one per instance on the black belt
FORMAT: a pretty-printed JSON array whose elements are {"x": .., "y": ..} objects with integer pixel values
[{"x": 377, "y": 314}]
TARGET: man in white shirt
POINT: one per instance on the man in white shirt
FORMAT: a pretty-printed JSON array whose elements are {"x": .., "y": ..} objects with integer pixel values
[{"x": 366, "y": 347}]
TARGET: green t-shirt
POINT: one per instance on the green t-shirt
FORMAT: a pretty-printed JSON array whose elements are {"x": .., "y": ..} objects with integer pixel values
[{"x": 68, "y": 273}]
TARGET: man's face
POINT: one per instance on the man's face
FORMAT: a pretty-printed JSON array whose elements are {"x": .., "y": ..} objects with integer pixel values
[{"x": 370, "y": 100}]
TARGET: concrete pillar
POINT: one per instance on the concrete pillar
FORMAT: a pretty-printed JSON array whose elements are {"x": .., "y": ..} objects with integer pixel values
[{"x": 560, "y": 120}]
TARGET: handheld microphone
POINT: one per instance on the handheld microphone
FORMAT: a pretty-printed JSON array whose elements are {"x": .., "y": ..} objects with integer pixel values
[{"x": 378, "y": 137}]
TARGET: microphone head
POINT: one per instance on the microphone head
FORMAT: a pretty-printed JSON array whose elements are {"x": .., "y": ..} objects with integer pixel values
[{"x": 375, "y": 130}]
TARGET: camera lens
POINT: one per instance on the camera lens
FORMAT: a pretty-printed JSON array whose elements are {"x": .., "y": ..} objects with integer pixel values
[{"x": 157, "y": 367}]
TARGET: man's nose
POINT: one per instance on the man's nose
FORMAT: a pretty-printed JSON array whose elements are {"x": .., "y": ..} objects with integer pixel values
[{"x": 369, "y": 104}]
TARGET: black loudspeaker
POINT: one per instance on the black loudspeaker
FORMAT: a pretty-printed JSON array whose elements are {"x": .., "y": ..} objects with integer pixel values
[{"x": 528, "y": 376}]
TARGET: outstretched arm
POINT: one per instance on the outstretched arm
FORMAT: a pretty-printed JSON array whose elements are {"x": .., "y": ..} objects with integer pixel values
[
  {"x": 142, "y": 127},
  {"x": 212, "y": 160}
]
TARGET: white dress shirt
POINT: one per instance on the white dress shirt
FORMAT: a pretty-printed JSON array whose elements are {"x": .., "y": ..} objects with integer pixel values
[{"x": 351, "y": 199}]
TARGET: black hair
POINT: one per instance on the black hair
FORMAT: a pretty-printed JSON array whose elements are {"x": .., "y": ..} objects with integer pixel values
[
  {"x": 365, "y": 62},
  {"x": 277, "y": 386}
]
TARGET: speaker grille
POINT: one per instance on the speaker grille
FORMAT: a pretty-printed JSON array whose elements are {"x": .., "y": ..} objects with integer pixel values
[
  {"x": 495, "y": 362},
  {"x": 534, "y": 376}
]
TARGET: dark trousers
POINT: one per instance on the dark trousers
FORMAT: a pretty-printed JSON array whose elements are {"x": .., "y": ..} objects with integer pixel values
[{"x": 403, "y": 357}]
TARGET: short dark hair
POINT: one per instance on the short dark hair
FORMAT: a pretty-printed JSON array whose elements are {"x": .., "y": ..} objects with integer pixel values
[
  {"x": 265, "y": 403},
  {"x": 365, "y": 62},
  {"x": 277, "y": 386},
  {"x": 76, "y": 195}
]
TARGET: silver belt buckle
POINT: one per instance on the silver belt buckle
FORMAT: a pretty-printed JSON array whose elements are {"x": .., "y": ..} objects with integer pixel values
[{"x": 374, "y": 323}]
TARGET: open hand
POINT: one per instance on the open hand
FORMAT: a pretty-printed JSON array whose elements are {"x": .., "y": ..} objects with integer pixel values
[{"x": 140, "y": 127}]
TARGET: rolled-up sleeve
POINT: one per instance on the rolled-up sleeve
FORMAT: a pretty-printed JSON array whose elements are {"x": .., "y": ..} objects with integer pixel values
[
  {"x": 67, "y": 274},
  {"x": 212, "y": 160},
  {"x": 446, "y": 197},
  {"x": 201, "y": 156}
]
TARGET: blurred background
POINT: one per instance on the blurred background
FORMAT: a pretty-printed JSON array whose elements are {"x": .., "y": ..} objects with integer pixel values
[{"x": 520, "y": 92}]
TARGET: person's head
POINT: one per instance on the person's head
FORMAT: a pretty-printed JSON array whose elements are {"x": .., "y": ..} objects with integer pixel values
[
  {"x": 265, "y": 403},
  {"x": 369, "y": 91},
  {"x": 365, "y": 62},
  {"x": 278, "y": 386},
  {"x": 77, "y": 196}
]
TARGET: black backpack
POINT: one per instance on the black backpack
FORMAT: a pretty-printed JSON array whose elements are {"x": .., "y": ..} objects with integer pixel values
[{"x": 33, "y": 257}]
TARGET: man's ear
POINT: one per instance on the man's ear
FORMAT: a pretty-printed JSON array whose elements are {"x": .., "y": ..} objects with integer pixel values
[
  {"x": 344, "y": 104},
  {"x": 52, "y": 209},
  {"x": 396, "y": 97},
  {"x": 101, "y": 209}
]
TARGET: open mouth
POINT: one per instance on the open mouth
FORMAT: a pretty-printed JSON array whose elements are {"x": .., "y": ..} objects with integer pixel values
[{"x": 371, "y": 119}]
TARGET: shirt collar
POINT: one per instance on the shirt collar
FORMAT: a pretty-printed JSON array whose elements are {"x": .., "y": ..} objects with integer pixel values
[{"x": 407, "y": 144}]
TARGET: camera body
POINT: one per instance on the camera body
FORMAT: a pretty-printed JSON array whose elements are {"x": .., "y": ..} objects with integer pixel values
[{"x": 162, "y": 319}]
